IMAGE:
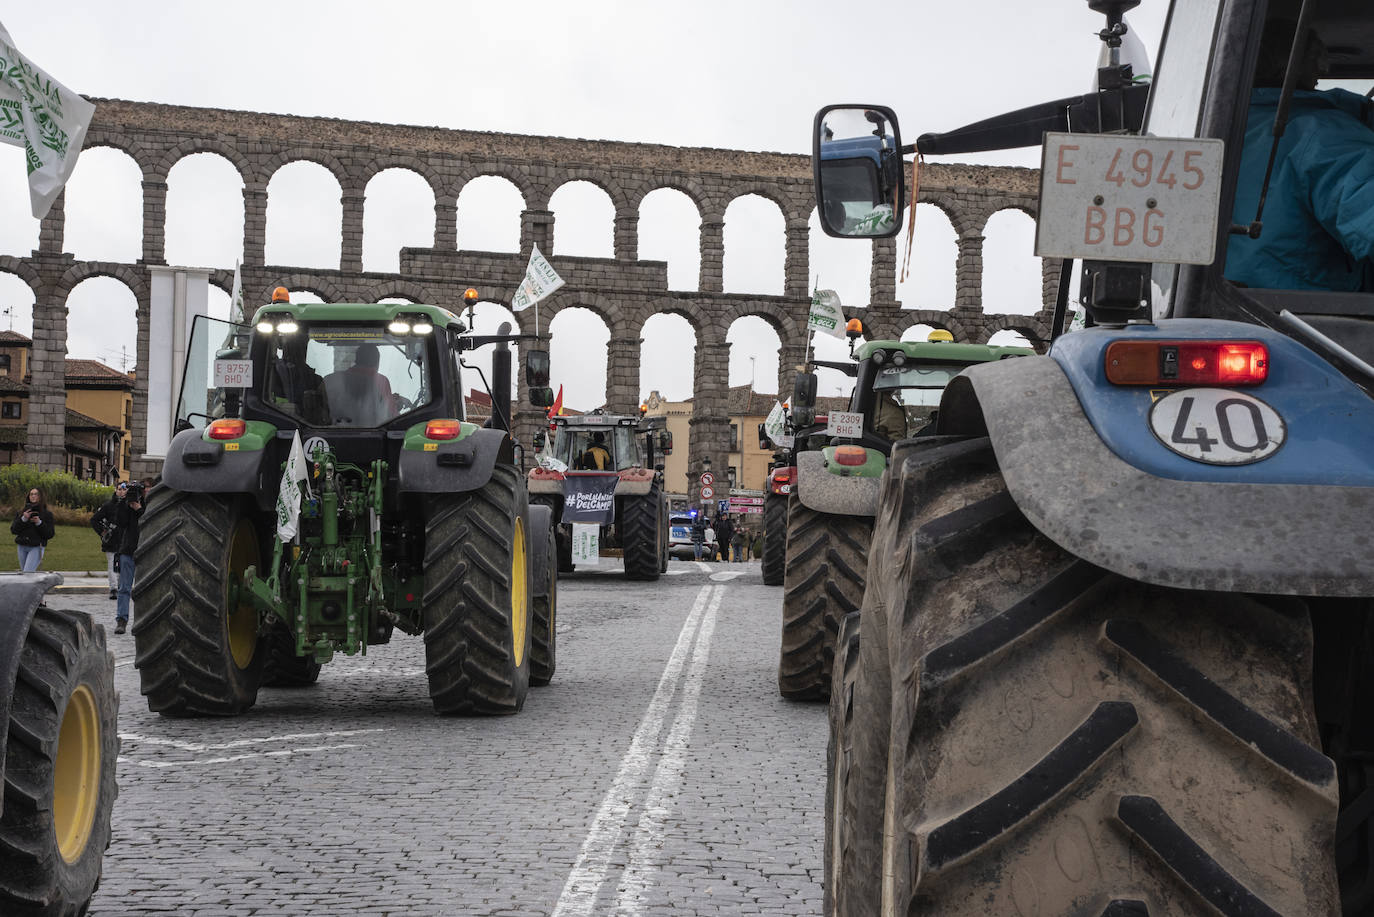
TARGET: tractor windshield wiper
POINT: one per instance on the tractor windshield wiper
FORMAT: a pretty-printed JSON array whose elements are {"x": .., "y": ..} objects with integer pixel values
[{"x": 1356, "y": 369}]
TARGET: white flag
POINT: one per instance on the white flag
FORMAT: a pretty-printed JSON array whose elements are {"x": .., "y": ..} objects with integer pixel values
[
  {"x": 289, "y": 495},
  {"x": 775, "y": 423},
  {"x": 825, "y": 314},
  {"x": 44, "y": 117},
  {"x": 236, "y": 307},
  {"x": 540, "y": 280}
]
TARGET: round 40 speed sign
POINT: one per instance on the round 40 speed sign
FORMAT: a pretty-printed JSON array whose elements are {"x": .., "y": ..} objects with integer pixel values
[{"x": 1217, "y": 426}]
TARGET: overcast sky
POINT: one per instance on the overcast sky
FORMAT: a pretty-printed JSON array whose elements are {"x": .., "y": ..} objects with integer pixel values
[{"x": 742, "y": 75}]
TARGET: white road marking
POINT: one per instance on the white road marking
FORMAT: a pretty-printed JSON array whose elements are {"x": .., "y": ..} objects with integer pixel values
[
  {"x": 240, "y": 743},
  {"x": 726, "y": 577},
  {"x": 589, "y": 872},
  {"x": 197, "y": 762},
  {"x": 703, "y": 566},
  {"x": 648, "y": 836}
]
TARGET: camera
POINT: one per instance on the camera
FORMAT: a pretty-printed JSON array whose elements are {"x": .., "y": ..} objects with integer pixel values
[{"x": 134, "y": 493}]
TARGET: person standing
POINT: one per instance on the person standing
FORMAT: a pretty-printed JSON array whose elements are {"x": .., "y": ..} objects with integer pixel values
[
  {"x": 127, "y": 513},
  {"x": 737, "y": 545},
  {"x": 725, "y": 530},
  {"x": 32, "y": 529},
  {"x": 698, "y": 536},
  {"x": 103, "y": 521},
  {"x": 710, "y": 541}
]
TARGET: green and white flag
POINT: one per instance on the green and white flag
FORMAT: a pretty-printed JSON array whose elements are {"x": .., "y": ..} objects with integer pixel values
[
  {"x": 236, "y": 308},
  {"x": 289, "y": 495},
  {"x": 44, "y": 117},
  {"x": 540, "y": 280},
  {"x": 775, "y": 423},
  {"x": 825, "y": 314}
]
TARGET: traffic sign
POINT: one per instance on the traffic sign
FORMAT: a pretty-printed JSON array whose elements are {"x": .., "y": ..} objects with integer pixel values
[
  {"x": 706, "y": 492},
  {"x": 707, "y": 479}
]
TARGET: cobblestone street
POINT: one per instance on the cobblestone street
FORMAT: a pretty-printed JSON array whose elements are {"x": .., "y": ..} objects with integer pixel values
[{"x": 660, "y": 773}]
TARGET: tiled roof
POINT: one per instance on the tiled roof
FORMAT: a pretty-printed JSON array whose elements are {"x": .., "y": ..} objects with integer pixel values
[
  {"x": 78, "y": 421},
  {"x": 14, "y": 337},
  {"x": 95, "y": 371}
]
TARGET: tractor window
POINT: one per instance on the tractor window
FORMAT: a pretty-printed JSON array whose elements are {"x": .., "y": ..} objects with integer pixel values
[
  {"x": 212, "y": 340},
  {"x": 907, "y": 396},
  {"x": 349, "y": 375},
  {"x": 573, "y": 446}
]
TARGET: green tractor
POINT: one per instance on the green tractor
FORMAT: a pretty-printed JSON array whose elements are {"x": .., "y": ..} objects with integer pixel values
[
  {"x": 58, "y": 713},
  {"x": 324, "y": 490},
  {"x": 834, "y": 488}
]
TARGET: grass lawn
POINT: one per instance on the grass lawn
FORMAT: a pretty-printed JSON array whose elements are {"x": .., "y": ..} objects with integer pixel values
[{"x": 74, "y": 549}]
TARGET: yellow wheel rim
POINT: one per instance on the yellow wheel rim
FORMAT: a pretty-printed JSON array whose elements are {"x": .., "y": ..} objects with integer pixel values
[
  {"x": 519, "y": 592},
  {"x": 242, "y": 620},
  {"x": 76, "y": 776}
]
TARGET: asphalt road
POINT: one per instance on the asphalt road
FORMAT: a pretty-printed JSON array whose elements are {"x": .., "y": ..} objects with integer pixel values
[{"x": 660, "y": 773}]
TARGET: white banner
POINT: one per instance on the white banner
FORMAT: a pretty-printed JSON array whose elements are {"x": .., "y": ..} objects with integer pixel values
[
  {"x": 826, "y": 315},
  {"x": 586, "y": 544},
  {"x": 775, "y": 423},
  {"x": 44, "y": 117},
  {"x": 540, "y": 280},
  {"x": 289, "y": 495}
]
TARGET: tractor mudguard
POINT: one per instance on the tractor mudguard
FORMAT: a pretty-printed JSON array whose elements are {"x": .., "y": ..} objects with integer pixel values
[
  {"x": 540, "y": 520},
  {"x": 824, "y": 492},
  {"x": 457, "y": 466},
  {"x": 1232, "y": 536},
  {"x": 196, "y": 466},
  {"x": 20, "y": 594}
]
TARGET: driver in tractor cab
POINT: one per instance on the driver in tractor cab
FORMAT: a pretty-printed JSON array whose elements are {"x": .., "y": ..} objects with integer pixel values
[
  {"x": 597, "y": 457},
  {"x": 298, "y": 383},
  {"x": 360, "y": 395},
  {"x": 889, "y": 417},
  {"x": 1318, "y": 220}
]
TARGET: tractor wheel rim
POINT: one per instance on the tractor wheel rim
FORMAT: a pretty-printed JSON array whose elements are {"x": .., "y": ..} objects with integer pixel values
[
  {"x": 519, "y": 592},
  {"x": 241, "y": 621},
  {"x": 76, "y": 774}
]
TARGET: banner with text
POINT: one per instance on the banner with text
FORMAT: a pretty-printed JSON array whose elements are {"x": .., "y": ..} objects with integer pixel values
[
  {"x": 589, "y": 498},
  {"x": 540, "y": 280},
  {"x": 826, "y": 314}
]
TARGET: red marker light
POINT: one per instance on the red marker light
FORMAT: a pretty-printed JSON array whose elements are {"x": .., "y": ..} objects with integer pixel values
[
  {"x": 226, "y": 429},
  {"x": 1187, "y": 363},
  {"x": 443, "y": 429}
]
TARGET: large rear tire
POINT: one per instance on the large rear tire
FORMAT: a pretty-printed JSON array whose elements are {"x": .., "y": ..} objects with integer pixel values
[
  {"x": 1064, "y": 740},
  {"x": 838, "y": 752},
  {"x": 544, "y": 610},
  {"x": 282, "y": 668},
  {"x": 641, "y": 533},
  {"x": 477, "y": 598},
  {"x": 59, "y": 780},
  {"x": 774, "y": 539},
  {"x": 196, "y": 655},
  {"x": 823, "y": 581},
  {"x": 561, "y": 533}
]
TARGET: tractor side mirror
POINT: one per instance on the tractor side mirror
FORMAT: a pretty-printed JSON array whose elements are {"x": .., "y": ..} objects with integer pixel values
[
  {"x": 540, "y": 439},
  {"x": 537, "y": 371},
  {"x": 541, "y": 397},
  {"x": 665, "y": 442},
  {"x": 804, "y": 400},
  {"x": 765, "y": 443},
  {"x": 856, "y": 155}
]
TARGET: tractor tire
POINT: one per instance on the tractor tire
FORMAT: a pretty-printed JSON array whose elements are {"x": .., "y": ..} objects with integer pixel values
[
  {"x": 1065, "y": 740},
  {"x": 476, "y": 602},
  {"x": 839, "y": 750},
  {"x": 664, "y": 537},
  {"x": 774, "y": 539},
  {"x": 641, "y": 534},
  {"x": 282, "y": 668},
  {"x": 195, "y": 655},
  {"x": 823, "y": 581},
  {"x": 562, "y": 534},
  {"x": 59, "y": 780},
  {"x": 544, "y": 614}
]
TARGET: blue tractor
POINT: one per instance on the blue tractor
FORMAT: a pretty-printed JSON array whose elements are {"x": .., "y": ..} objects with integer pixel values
[{"x": 1116, "y": 645}]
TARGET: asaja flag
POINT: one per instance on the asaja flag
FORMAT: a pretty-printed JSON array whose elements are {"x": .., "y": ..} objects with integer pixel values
[
  {"x": 44, "y": 117},
  {"x": 289, "y": 495},
  {"x": 540, "y": 280},
  {"x": 775, "y": 423},
  {"x": 825, "y": 314}
]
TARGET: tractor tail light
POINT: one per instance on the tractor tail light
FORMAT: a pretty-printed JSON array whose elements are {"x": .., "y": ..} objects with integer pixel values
[
  {"x": 850, "y": 455},
  {"x": 443, "y": 429},
  {"x": 782, "y": 477},
  {"x": 226, "y": 429},
  {"x": 1187, "y": 363}
]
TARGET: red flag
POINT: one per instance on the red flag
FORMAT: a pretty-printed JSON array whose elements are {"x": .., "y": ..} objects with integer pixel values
[{"x": 557, "y": 406}]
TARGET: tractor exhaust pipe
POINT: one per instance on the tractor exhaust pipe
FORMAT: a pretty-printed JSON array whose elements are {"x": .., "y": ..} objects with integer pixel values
[{"x": 500, "y": 382}]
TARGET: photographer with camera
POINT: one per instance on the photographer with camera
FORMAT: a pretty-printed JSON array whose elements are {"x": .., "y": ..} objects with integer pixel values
[
  {"x": 32, "y": 530},
  {"x": 128, "y": 509}
]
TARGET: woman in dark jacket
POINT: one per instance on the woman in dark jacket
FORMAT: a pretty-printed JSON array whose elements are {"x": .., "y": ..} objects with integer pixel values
[{"x": 32, "y": 529}]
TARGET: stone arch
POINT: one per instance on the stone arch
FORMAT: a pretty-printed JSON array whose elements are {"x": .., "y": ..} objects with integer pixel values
[
  {"x": 1033, "y": 329},
  {"x": 665, "y": 356},
  {"x": 21, "y": 268},
  {"x": 774, "y": 313},
  {"x": 396, "y": 209},
  {"x": 583, "y": 211},
  {"x": 613, "y": 189},
  {"x": 514, "y": 174},
  {"x": 129, "y": 275},
  {"x": 408, "y": 289},
  {"x": 193, "y": 145},
  {"x": 761, "y": 248},
  {"x": 665, "y": 307},
  {"x": 322, "y": 287},
  {"x": 274, "y": 164},
  {"x": 384, "y": 162},
  {"x": 203, "y": 214},
  {"x": 606, "y": 309},
  {"x": 141, "y": 155},
  {"x": 1012, "y": 276},
  {"x": 694, "y": 189},
  {"x": 766, "y": 190}
]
